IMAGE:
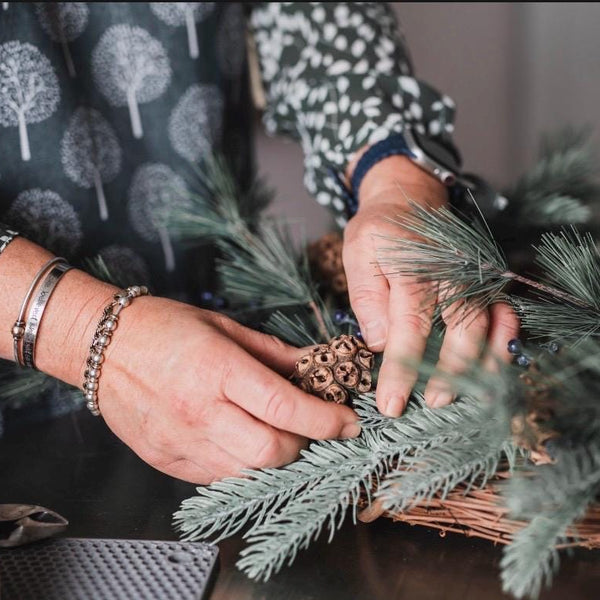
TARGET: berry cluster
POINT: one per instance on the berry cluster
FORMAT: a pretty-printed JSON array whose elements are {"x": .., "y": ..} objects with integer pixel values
[
  {"x": 212, "y": 301},
  {"x": 515, "y": 347},
  {"x": 523, "y": 359}
]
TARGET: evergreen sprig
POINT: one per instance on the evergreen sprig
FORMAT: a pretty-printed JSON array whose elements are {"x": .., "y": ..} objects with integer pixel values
[
  {"x": 283, "y": 276},
  {"x": 291, "y": 505},
  {"x": 571, "y": 261},
  {"x": 217, "y": 208},
  {"x": 531, "y": 560},
  {"x": 560, "y": 187},
  {"x": 438, "y": 246}
]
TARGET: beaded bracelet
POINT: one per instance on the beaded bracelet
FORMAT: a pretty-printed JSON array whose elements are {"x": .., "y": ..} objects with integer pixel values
[{"x": 106, "y": 327}]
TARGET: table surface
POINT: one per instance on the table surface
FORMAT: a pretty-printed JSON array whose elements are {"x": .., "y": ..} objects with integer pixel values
[{"x": 75, "y": 466}]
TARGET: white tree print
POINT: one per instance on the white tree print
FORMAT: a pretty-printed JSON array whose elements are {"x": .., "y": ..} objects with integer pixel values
[
  {"x": 63, "y": 22},
  {"x": 90, "y": 153},
  {"x": 177, "y": 14},
  {"x": 29, "y": 91},
  {"x": 196, "y": 121},
  {"x": 231, "y": 41},
  {"x": 130, "y": 67},
  {"x": 44, "y": 217},
  {"x": 125, "y": 265},
  {"x": 155, "y": 190}
]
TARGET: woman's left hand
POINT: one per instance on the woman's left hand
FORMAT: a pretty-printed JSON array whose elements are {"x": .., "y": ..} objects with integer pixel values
[{"x": 395, "y": 312}]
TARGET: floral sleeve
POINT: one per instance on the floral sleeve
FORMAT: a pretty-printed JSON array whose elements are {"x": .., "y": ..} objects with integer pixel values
[{"x": 338, "y": 76}]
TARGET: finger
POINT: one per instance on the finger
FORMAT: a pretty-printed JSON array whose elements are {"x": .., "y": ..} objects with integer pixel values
[
  {"x": 504, "y": 326},
  {"x": 463, "y": 342},
  {"x": 410, "y": 313},
  {"x": 274, "y": 400},
  {"x": 256, "y": 444},
  {"x": 268, "y": 349},
  {"x": 368, "y": 291}
]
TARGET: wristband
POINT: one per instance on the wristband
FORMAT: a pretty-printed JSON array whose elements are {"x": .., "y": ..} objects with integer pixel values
[
  {"x": 36, "y": 312},
  {"x": 102, "y": 337},
  {"x": 18, "y": 329},
  {"x": 394, "y": 145}
]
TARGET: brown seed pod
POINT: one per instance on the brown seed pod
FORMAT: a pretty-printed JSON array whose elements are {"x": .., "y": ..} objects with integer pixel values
[
  {"x": 325, "y": 258},
  {"x": 331, "y": 371}
]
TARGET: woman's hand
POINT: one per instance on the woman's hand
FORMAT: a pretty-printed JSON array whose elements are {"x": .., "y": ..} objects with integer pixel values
[
  {"x": 395, "y": 313},
  {"x": 201, "y": 397},
  {"x": 193, "y": 393}
]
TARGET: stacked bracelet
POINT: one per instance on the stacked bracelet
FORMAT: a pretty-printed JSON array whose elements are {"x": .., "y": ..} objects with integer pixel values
[
  {"x": 106, "y": 327},
  {"x": 19, "y": 327},
  {"x": 36, "y": 312}
]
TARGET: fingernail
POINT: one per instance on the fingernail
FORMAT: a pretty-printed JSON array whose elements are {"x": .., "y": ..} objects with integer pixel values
[
  {"x": 394, "y": 406},
  {"x": 374, "y": 333},
  {"x": 439, "y": 400},
  {"x": 350, "y": 430}
]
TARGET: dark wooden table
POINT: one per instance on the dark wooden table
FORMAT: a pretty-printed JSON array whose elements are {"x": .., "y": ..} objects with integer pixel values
[{"x": 75, "y": 466}]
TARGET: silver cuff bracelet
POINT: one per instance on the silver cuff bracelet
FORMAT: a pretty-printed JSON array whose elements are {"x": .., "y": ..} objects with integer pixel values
[{"x": 38, "y": 306}]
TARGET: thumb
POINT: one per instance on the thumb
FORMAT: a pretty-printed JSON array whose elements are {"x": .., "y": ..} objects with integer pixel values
[{"x": 369, "y": 294}]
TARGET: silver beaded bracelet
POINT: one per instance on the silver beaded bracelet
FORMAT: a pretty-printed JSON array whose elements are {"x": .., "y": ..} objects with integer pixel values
[{"x": 106, "y": 327}]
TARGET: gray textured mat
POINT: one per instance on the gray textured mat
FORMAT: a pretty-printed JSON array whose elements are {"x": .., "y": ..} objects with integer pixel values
[{"x": 96, "y": 569}]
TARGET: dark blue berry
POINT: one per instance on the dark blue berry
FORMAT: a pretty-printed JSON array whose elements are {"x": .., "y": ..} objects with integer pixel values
[
  {"x": 206, "y": 297},
  {"x": 515, "y": 346},
  {"x": 340, "y": 316},
  {"x": 219, "y": 302},
  {"x": 523, "y": 361},
  {"x": 358, "y": 334},
  {"x": 553, "y": 347},
  {"x": 551, "y": 447}
]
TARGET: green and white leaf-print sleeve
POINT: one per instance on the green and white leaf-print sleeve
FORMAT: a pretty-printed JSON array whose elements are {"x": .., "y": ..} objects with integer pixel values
[{"x": 337, "y": 77}]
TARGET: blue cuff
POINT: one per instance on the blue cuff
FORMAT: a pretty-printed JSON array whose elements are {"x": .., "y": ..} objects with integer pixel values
[{"x": 394, "y": 145}]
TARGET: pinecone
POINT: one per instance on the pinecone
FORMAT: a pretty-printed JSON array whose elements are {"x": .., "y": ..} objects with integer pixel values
[
  {"x": 332, "y": 370},
  {"x": 325, "y": 257}
]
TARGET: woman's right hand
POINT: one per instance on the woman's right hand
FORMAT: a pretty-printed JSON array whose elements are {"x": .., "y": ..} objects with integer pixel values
[
  {"x": 193, "y": 393},
  {"x": 200, "y": 397}
]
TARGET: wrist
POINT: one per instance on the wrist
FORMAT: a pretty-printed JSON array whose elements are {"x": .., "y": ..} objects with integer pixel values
[
  {"x": 397, "y": 178},
  {"x": 68, "y": 325}
]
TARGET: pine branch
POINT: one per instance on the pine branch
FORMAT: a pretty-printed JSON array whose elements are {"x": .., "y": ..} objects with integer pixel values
[
  {"x": 463, "y": 259},
  {"x": 556, "y": 190},
  {"x": 299, "y": 329},
  {"x": 555, "y": 210},
  {"x": 266, "y": 269},
  {"x": 283, "y": 534},
  {"x": 547, "y": 319},
  {"x": 440, "y": 470},
  {"x": 216, "y": 207},
  {"x": 571, "y": 262},
  {"x": 470, "y": 271},
  {"x": 531, "y": 560}
]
